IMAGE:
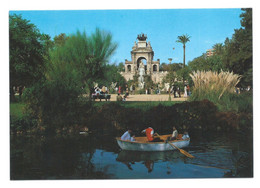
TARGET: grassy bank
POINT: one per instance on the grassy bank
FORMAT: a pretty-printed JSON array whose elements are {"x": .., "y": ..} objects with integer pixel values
[
  {"x": 142, "y": 105},
  {"x": 17, "y": 110}
]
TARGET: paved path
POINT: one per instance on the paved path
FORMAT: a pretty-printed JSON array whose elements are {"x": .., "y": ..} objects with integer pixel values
[{"x": 144, "y": 97}]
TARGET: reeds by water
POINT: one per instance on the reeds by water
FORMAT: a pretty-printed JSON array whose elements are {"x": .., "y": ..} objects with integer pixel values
[{"x": 208, "y": 84}]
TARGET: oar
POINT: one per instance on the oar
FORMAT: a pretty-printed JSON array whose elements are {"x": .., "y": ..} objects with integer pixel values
[{"x": 182, "y": 151}]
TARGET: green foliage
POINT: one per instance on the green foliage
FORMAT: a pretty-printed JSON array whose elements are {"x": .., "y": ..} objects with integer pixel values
[
  {"x": 28, "y": 50},
  {"x": 184, "y": 73},
  {"x": 173, "y": 66},
  {"x": 22, "y": 124},
  {"x": 112, "y": 74},
  {"x": 121, "y": 67},
  {"x": 199, "y": 64},
  {"x": 60, "y": 39},
  {"x": 86, "y": 57},
  {"x": 162, "y": 67},
  {"x": 212, "y": 63},
  {"x": 17, "y": 109},
  {"x": 148, "y": 82},
  {"x": 183, "y": 39},
  {"x": 135, "y": 79},
  {"x": 57, "y": 101},
  {"x": 162, "y": 116},
  {"x": 218, "y": 49},
  {"x": 20, "y": 120},
  {"x": 56, "y": 105},
  {"x": 246, "y": 20},
  {"x": 238, "y": 56},
  {"x": 170, "y": 77}
]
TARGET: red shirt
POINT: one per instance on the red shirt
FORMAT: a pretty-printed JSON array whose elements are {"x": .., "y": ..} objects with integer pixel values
[{"x": 149, "y": 133}]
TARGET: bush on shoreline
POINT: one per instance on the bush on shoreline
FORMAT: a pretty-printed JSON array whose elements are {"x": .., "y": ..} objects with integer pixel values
[{"x": 113, "y": 117}]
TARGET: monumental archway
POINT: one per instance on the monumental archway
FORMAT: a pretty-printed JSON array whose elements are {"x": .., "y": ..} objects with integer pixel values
[{"x": 143, "y": 51}]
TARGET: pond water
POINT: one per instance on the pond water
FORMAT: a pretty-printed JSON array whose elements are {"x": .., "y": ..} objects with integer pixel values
[{"x": 90, "y": 157}]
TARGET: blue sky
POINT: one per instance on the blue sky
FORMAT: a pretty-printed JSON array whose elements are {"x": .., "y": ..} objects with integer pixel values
[{"x": 162, "y": 26}]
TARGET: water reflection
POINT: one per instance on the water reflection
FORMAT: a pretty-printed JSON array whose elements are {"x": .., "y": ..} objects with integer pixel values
[
  {"x": 91, "y": 157},
  {"x": 130, "y": 158}
]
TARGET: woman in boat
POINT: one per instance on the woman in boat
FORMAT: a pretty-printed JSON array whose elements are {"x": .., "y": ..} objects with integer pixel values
[{"x": 150, "y": 135}]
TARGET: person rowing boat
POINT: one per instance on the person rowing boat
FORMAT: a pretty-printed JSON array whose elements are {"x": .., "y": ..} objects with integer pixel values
[{"x": 151, "y": 135}]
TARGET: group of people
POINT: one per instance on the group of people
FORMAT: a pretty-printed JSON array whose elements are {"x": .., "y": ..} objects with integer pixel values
[
  {"x": 103, "y": 90},
  {"x": 187, "y": 91},
  {"x": 119, "y": 97},
  {"x": 176, "y": 91},
  {"x": 152, "y": 136}
]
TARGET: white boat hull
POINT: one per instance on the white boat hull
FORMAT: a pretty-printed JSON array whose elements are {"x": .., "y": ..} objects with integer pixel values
[{"x": 151, "y": 146}]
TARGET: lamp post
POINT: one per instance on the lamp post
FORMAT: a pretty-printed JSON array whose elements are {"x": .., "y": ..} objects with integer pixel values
[
  {"x": 170, "y": 72},
  {"x": 170, "y": 60}
]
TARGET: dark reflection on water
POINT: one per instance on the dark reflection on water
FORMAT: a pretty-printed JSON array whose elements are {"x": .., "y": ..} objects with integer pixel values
[{"x": 89, "y": 157}]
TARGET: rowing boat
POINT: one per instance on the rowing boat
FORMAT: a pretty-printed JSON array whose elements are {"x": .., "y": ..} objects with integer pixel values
[{"x": 141, "y": 144}]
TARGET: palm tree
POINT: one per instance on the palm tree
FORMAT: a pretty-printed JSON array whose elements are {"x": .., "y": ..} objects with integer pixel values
[
  {"x": 183, "y": 39},
  {"x": 218, "y": 48}
]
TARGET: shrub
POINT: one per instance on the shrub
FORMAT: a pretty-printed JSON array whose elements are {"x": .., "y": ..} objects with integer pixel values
[
  {"x": 213, "y": 83},
  {"x": 22, "y": 124},
  {"x": 55, "y": 105},
  {"x": 187, "y": 115},
  {"x": 219, "y": 88}
]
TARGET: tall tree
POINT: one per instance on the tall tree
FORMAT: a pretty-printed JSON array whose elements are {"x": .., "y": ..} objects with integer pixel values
[
  {"x": 28, "y": 48},
  {"x": 86, "y": 55},
  {"x": 183, "y": 39},
  {"x": 238, "y": 56},
  {"x": 70, "y": 72}
]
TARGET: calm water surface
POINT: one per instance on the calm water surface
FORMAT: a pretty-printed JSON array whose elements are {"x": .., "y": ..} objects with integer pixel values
[{"x": 88, "y": 157}]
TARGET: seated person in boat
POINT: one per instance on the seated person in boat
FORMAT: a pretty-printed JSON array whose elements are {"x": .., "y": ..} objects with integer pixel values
[
  {"x": 174, "y": 134},
  {"x": 150, "y": 135},
  {"x": 128, "y": 135},
  {"x": 185, "y": 135},
  {"x": 132, "y": 138}
]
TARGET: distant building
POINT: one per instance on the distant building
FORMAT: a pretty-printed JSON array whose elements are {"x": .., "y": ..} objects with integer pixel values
[{"x": 210, "y": 52}]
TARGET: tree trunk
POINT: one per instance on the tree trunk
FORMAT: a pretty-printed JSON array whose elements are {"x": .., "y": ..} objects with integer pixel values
[
  {"x": 183, "y": 56},
  {"x": 183, "y": 63}
]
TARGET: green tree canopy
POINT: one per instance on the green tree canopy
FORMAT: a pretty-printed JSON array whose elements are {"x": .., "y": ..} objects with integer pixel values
[
  {"x": 28, "y": 49},
  {"x": 86, "y": 55},
  {"x": 71, "y": 70},
  {"x": 112, "y": 74},
  {"x": 238, "y": 56}
]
